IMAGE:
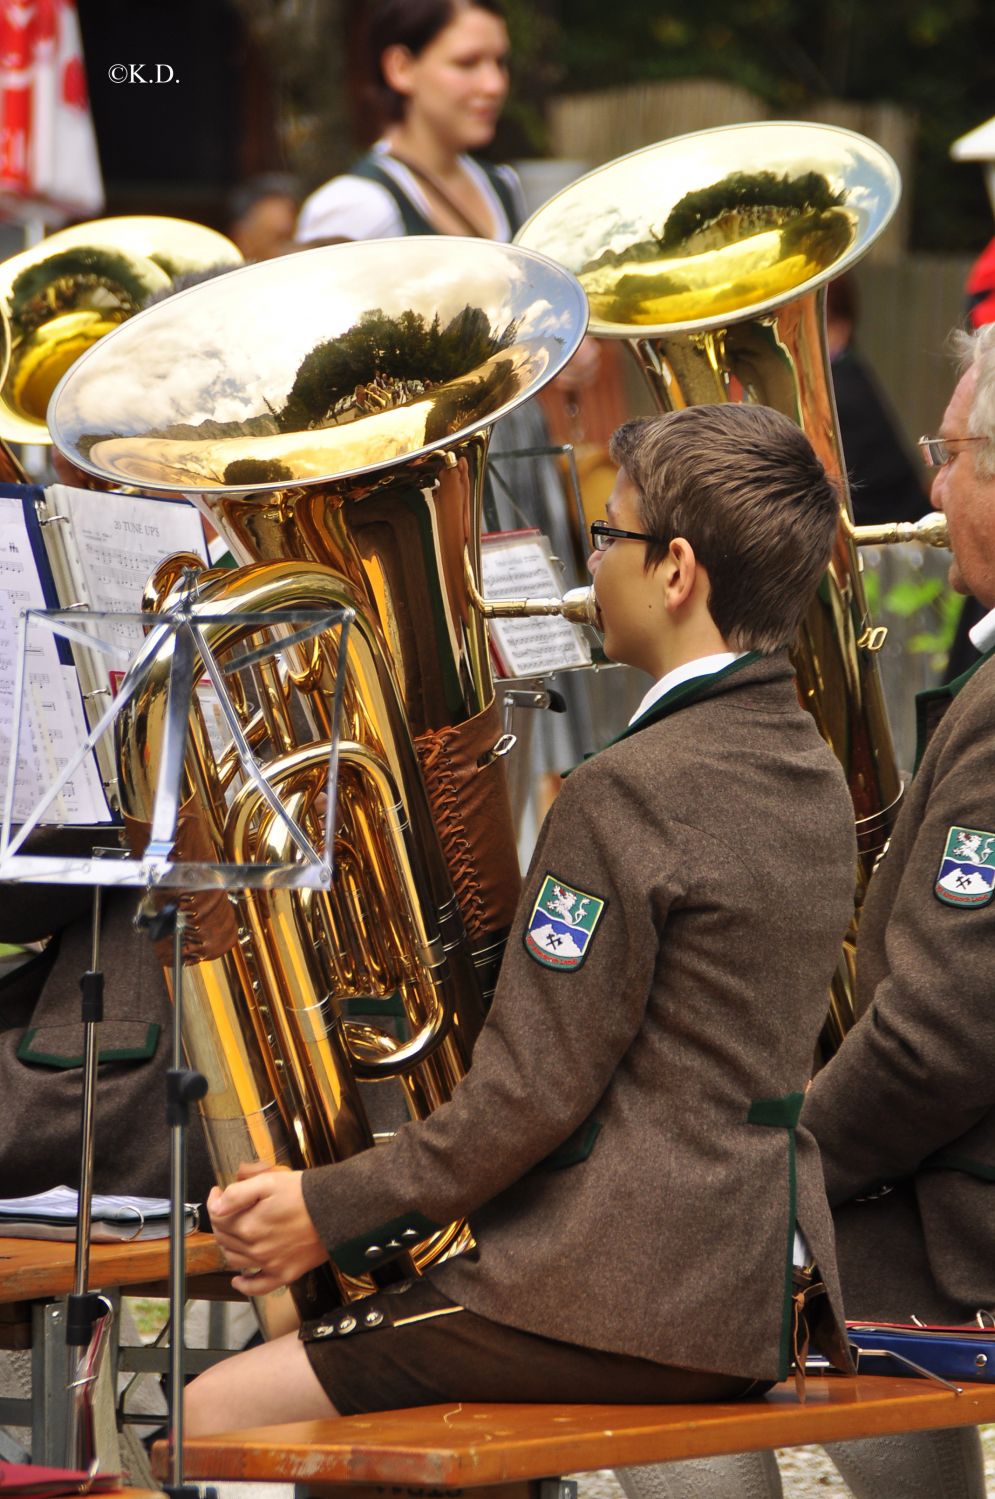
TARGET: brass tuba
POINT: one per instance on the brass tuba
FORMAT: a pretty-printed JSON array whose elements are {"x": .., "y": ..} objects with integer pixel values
[
  {"x": 72, "y": 288},
  {"x": 709, "y": 254},
  {"x": 330, "y": 413}
]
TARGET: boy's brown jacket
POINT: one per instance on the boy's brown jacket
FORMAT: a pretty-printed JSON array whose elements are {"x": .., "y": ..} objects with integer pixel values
[
  {"x": 624, "y": 1143},
  {"x": 905, "y": 1113}
]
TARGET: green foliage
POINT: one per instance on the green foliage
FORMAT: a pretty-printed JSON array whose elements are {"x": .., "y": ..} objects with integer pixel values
[
  {"x": 923, "y": 610},
  {"x": 910, "y": 595},
  {"x": 535, "y": 73},
  {"x": 745, "y": 191},
  {"x": 933, "y": 59},
  {"x": 71, "y": 278}
]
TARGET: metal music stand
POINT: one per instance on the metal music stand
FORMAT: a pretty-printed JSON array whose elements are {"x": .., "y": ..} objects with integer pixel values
[{"x": 178, "y": 636}]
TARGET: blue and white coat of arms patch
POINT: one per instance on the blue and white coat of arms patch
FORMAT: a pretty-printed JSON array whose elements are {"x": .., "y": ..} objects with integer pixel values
[
  {"x": 967, "y": 870},
  {"x": 562, "y": 925}
]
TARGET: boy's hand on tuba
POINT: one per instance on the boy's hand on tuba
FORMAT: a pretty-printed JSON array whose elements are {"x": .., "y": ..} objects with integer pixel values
[{"x": 264, "y": 1229}]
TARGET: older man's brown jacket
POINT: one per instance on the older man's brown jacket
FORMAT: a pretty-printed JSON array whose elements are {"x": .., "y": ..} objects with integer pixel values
[
  {"x": 905, "y": 1113},
  {"x": 624, "y": 1144}
]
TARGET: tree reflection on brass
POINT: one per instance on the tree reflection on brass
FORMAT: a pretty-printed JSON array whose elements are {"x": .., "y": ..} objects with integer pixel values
[
  {"x": 384, "y": 362},
  {"x": 744, "y": 203},
  {"x": 77, "y": 278}
]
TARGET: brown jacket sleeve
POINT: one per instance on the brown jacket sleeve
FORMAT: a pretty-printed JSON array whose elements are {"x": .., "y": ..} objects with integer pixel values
[
  {"x": 915, "y": 1073},
  {"x": 545, "y": 1055}
]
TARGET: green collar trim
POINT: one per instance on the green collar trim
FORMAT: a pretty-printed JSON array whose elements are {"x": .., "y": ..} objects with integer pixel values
[
  {"x": 925, "y": 700},
  {"x": 684, "y": 693},
  {"x": 31, "y": 1047}
]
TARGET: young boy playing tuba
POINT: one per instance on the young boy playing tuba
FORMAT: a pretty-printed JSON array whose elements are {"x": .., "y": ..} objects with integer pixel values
[{"x": 625, "y": 1145}]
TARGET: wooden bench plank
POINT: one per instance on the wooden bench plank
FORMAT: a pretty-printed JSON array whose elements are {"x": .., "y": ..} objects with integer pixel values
[
  {"x": 31, "y": 1269},
  {"x": 464, "y": 1446}
]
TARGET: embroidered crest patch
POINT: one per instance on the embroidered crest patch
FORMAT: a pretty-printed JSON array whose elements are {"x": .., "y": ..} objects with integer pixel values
[
  {"x": 967, "y": 869},
  {"x": 561, "y": 927}
]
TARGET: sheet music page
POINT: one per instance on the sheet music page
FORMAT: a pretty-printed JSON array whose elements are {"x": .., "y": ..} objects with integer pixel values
[
  {"x": 119, "y": 540},
  {"x": 517, "y": 564},
  {"x": 53, "y": 726}
]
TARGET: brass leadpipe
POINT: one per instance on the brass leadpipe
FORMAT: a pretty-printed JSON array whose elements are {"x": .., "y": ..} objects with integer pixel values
[
  {"x": 930, "y": 531},
  {"x": 578, "y": 605}
]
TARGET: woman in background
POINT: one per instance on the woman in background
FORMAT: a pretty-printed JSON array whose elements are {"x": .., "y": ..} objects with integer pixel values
[
  {"x": 439, "y": 80},
  {"x": 439, "y": 75}
]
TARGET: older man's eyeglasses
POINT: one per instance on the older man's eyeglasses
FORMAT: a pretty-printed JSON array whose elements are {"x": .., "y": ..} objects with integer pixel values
[
  {"x": 936, "y": 450},
  {"x": 602, "y": 535}
]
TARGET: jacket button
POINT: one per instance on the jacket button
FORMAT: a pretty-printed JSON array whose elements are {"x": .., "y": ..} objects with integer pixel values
[
  {"x": 323, "y": 1330},
  {"x": 373, "y": 1318},
  {"x": 409, "y": 1233},
  {"x": 344, "y": 1325},
  {"x": 394, "y": 1244},
  {"x": 374, "y": 1252}
]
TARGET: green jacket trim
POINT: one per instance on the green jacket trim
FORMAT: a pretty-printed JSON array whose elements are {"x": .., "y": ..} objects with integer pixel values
[
  {"x": 575, "y": 1148},
  {"x": 949, "y": 1160},
  {"x": 683, "y": 694},
  {"x": 777, "y": 1113},
  {"x": 783, "y": 1113},
  {"x": 356, "y": 1256},
  {"x": 949, "y": 690},
  {"x": 141, "y": 1052},
  {"x": 678, "y": 697}
]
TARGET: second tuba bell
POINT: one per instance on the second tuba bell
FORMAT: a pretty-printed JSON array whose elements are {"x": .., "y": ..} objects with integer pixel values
[{"x": 709, "y": 254}]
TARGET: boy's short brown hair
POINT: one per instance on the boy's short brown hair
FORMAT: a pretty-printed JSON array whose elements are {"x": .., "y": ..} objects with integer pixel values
[{"x": 743, "y": 485}]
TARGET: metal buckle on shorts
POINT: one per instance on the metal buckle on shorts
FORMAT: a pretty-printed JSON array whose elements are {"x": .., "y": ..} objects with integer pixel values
[
  {"x": 343, "y": 1322},
  {"x": 360, "y": 1317}
]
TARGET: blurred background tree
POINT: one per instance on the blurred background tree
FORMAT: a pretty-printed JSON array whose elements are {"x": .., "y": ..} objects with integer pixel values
[
  {"x": 935, "y": 58},
  {"x": 267, "y": 85}
]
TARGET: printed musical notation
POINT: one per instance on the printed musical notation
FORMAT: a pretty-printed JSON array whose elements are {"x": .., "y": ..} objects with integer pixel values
[
  {"x": 118, "y": 541},
  {"x": 48, "y": 723},
  {"x": 518, "y": 564}
]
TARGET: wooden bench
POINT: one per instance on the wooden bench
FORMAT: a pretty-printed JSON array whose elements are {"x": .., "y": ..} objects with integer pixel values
[
  {"x": 507, "y": 1451},
  {"x": 35, "y": 1277}
]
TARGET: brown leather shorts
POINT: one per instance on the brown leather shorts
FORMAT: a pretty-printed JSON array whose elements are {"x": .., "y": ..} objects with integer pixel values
[{"x": 411, "y": 1345}]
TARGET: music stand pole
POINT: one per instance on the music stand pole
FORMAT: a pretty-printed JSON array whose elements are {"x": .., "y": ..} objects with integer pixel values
[
  {"x": 183, "y": 1087},
  {"x": 83, "y": 1306}
]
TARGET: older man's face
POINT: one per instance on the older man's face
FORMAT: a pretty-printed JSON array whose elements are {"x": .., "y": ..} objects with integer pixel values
[{"x": 967, "y": 499}]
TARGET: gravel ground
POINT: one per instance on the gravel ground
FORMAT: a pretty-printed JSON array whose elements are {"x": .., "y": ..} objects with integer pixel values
[{"x": 806, "y": 1473}]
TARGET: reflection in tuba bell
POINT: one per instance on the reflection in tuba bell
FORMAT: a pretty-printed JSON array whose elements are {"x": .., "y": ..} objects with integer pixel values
[
  {"x": 59, "y": 297},
  {"x": 709, "y": 254},
  {"x": 330, "y": 414},
  {"x": 73, "y": 287}
]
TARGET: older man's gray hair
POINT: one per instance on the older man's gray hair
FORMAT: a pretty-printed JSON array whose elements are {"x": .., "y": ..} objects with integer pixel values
[{"x": 977, "y": 351}]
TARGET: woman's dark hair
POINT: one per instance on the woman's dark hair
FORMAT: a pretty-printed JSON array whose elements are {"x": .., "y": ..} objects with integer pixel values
[{"x": 412, "y": 24}]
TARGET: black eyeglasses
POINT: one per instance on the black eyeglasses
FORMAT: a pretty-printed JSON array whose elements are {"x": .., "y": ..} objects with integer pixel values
[{"x": 602, "y": 535}]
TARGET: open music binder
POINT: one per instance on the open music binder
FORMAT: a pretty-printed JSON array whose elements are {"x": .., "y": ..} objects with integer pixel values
[
  {"x": 65, "y": 548},
  {"x": 114, "y": 1218}
]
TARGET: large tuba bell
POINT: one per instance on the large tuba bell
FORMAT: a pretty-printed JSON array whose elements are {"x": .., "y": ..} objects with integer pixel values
[
  {"x": 330, "y": 414},
  {"x": 710, "y": 254},
  {"x": 73, "y": 287}
]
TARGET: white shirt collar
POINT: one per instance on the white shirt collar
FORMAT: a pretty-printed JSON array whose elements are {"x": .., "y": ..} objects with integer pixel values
[
  {"x": 982, "y": 634},
  {"x": 705, "y": 666}
]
